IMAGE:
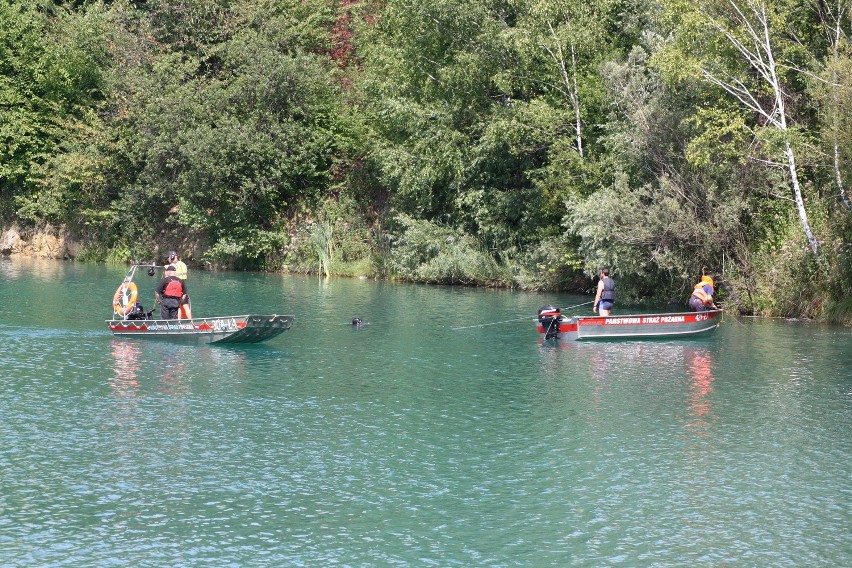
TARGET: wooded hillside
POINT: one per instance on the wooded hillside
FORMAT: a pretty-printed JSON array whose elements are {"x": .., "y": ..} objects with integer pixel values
[{"x": 522, "y": 143}]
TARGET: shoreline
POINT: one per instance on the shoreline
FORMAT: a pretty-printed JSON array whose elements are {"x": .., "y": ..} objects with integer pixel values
[{"x": 59, "y": 245}]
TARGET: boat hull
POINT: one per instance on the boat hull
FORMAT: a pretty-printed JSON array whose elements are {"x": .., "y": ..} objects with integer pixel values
[
  {"x": 250, "y": 328},
  {"x": 579, "y": 328}
]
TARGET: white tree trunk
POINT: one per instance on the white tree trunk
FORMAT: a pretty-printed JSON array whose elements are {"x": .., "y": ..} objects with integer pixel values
[
  {"x": 838, "y": 177},
  {"x": 575, "y": 99},
  {"x": 571, "y": 91},
  {"x": 797, "y": 194},
  {"x": 759, "y": 55}
]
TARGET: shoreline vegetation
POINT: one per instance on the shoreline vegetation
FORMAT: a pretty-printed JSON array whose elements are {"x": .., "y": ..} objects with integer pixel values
[
  {"x": 519, "y": 145},
  {"x": 49, "y": 245}
]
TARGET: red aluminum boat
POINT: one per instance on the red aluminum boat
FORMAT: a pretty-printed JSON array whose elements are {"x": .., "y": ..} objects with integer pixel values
[{"x": 552, "y": 325}]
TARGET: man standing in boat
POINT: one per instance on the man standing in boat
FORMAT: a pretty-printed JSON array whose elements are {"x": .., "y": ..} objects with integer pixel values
[
  {"x": 605, "y": 298},
  {"x": 185, "y": 310},
  {"x": 170, "y": 293}
]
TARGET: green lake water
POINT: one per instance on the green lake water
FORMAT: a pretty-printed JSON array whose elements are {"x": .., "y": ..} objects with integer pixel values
[{"x": 410, "y": 442}]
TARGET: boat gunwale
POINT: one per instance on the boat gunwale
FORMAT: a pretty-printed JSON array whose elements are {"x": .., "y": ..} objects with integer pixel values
[{"x": 578, "y": 318}]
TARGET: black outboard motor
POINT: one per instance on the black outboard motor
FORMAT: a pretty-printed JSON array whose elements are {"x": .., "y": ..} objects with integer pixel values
[
  {"x": 137, "y": 312},
  {"x": 548, "y": 317}
]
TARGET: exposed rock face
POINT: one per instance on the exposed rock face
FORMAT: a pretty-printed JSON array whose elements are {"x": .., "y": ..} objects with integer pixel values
[
  {"x": 42, "y": 244},
  {"x": 7, "y": 241}
]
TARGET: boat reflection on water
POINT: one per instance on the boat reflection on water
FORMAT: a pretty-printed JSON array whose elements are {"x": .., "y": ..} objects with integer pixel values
[
  {"x": 125, "y": 387},
  {"x": 125, "y": 368},
  {"x": 139, "y": 367},
  {"x": 174, "y": 376},
  {"x": 677, "y": 373},
  {"x": 129, "y": 370},
  {"x": 699, "y": 436},
  {"x": 699, "y": 366}
]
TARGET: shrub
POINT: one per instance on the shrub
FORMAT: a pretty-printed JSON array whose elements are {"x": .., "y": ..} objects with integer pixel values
[{"x": 427, "y": 252}]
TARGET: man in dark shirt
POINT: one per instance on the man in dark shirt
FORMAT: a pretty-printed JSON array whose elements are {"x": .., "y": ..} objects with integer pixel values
[{"x": 170, "y": 292}]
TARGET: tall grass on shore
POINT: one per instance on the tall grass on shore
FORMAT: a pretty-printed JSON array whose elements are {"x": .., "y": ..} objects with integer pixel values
[{"x": 322, "y": 239}]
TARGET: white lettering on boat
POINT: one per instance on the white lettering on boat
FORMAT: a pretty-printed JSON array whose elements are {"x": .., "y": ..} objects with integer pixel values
[
  {"x": 171, "y": 327},
  {"x": 645, "y": 320},
  {"x": 225, "y": 325},
  {"x": 622, "y": 321}
]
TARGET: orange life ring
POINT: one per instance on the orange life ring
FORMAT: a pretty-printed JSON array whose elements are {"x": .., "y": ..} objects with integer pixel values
[{"x": 124, "y": 298}]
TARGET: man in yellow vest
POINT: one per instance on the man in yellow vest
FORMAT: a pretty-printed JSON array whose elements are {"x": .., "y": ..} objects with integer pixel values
[
  {"x": 701, "y": 299},
  {"x": 185, "y": 311}
]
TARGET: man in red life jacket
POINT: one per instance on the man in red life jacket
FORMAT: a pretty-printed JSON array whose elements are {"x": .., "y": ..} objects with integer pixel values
[
  {"x": 170, "y": 292},
  {"x": 701, "y": 299}
]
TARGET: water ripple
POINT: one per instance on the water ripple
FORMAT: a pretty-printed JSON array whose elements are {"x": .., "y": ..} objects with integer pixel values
[{"x": 406, "y": 443}]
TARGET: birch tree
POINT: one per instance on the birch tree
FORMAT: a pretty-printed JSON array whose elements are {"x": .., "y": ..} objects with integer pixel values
[
  {"x": 838, "y": 79},
  {"x": 568, "y": 76},
  {"x": 752, "y": 30},
  {"x": 573, "y": 39}
]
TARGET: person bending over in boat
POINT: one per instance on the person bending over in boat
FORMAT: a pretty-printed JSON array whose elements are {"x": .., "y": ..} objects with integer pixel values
[
  {"x": 170, "y": 292},
  {"x": 605, "y": 298},
  {"x": 181, "y": 272},
  {"x": 701, "y": 299}
]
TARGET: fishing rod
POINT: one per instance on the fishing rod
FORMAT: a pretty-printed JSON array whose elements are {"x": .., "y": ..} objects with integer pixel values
[{"x": 518, "y": 319}]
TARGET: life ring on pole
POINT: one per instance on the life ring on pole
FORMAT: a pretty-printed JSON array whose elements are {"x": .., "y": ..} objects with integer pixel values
[{"x": 124, "y": 298}]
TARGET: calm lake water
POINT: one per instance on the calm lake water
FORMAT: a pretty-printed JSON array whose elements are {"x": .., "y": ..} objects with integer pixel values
[{"x": 409, "y": 442}]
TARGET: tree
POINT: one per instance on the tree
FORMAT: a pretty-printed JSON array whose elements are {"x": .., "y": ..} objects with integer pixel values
[
  {"x": 477, "y": 106},
  {"x": 755, "y": 70},
  {"x": 228, "y": 140},
  {"x": 834, "y": 86},
  {"x": 563, "y": 44},
  {"x": 660, "y": 215},
  {"x": 52, "y": 69}
]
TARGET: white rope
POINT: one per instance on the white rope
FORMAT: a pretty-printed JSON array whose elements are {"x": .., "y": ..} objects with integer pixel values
[
  {"x": 517, "y": 319},
  {"x": 493, "y": 323},
  {"x": 578, "y": 305}
]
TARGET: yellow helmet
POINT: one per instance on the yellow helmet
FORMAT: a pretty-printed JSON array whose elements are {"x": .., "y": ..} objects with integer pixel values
[{"x": 707, "y": 280}]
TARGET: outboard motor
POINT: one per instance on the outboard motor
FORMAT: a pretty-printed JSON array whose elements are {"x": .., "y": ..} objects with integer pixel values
[
  {"x": 548, "y": 317},
  {"x": 137, "y": 312}
]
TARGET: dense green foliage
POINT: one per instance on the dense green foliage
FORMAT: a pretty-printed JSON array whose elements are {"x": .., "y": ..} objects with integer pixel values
[{"x": 482, "y": 142}]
